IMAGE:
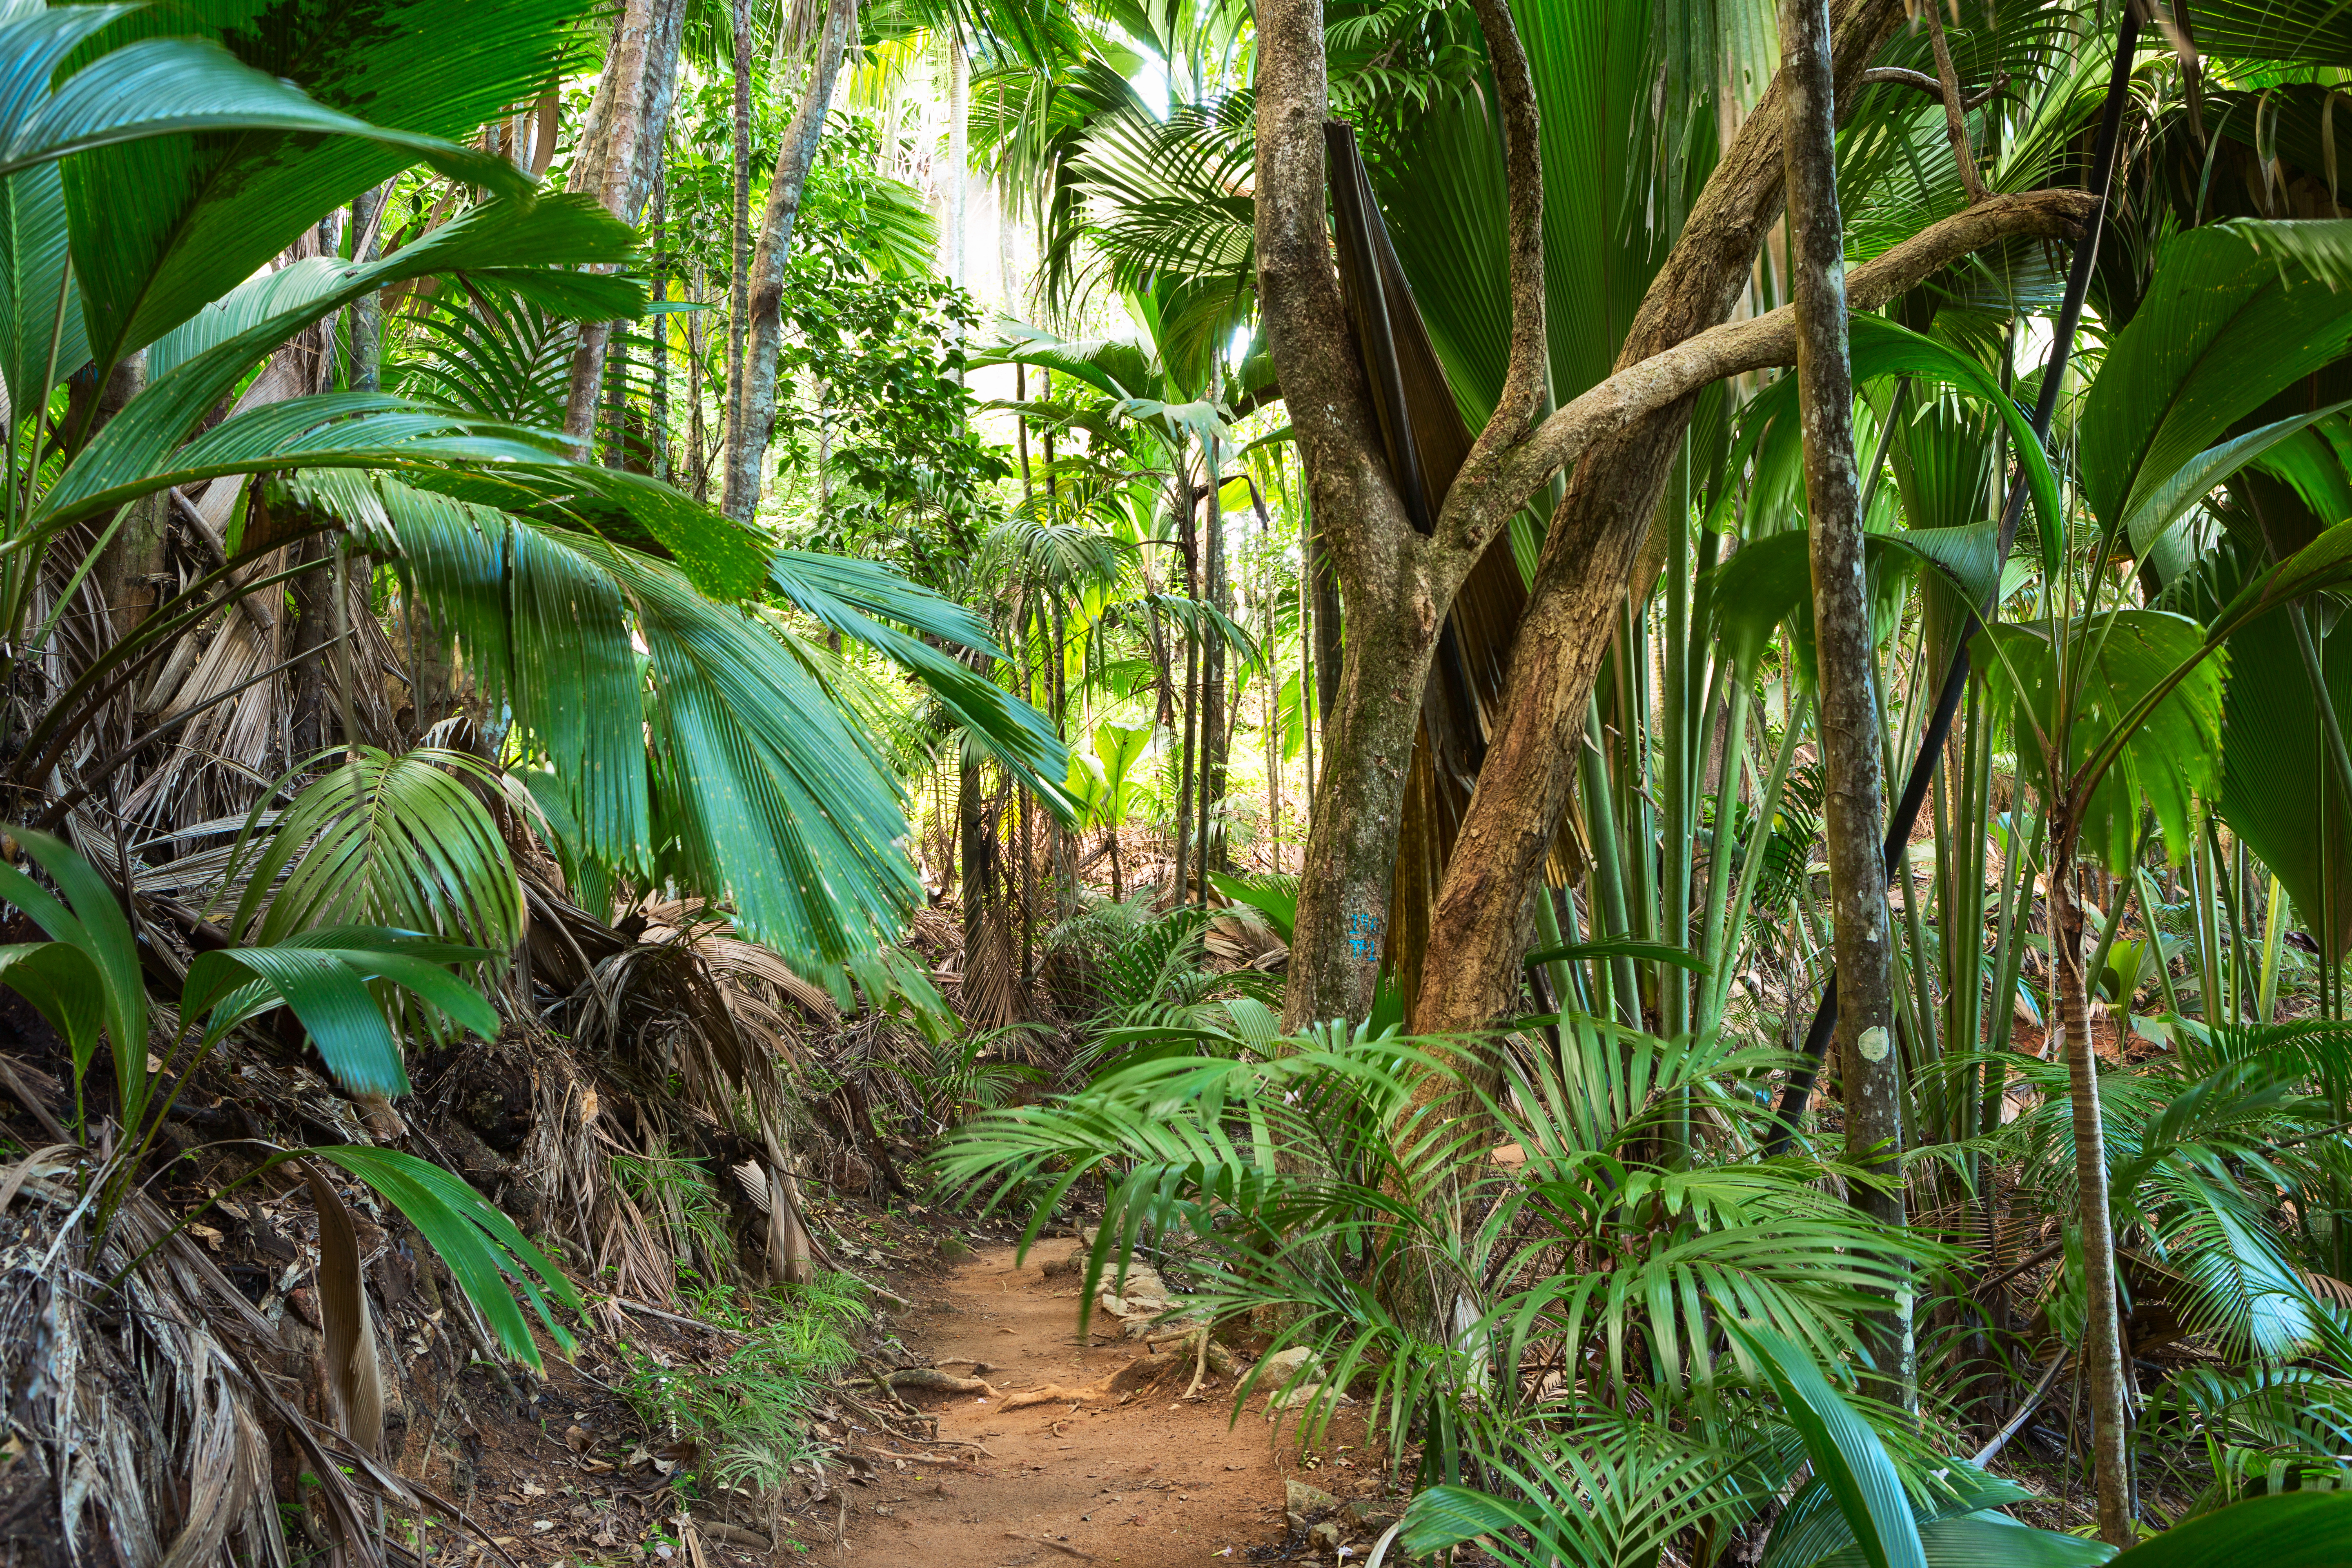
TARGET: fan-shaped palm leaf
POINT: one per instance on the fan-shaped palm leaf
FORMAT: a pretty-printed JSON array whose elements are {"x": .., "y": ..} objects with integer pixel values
[
  {"x": 162, "y": 227},
  {"x": 383, "y": 840}
]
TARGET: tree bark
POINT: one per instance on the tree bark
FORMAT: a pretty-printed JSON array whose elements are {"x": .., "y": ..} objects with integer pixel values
[
  {"x": 752, "y": 399},
  {"x": 1324, "y": 650},
  {"x": 1213, "y": 857},
  {"x": 314, "y": 624},
  {"x": 130, "y": 570},
  {"x": 975, "y": 874},
  {"x": 953, "y": 180},
  {"x": 1398, "y": 583},
  {"x": 1470, "y": 971},
  {"x": 1956, "y": 113},
  {"x": 1853, "y": 802},
  {"x": 739, "y": 287},
  {"x": 619, "y": 149},
  {"x": 2103, "y": 1355},
  {"x": 367, "y": 312}
]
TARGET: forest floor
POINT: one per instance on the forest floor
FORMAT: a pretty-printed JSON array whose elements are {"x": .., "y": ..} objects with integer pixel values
[
  {"x": 1117, "y": 1466},
  {"x": 1141, "y": 1477}
]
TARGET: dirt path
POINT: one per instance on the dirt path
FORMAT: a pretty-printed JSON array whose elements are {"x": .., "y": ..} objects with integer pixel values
[{"x": 1151, "y": 1483}]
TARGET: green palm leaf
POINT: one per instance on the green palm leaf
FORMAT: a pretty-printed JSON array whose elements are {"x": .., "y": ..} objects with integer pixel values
[
  {"x": 2231, "y": 317},
  {"x": 40, "y": 323},
  {"x": 324, "y": 977},
  {"x": 488, "y": 1257},
  {"x": 383, "y": 840},
  {"x": 84, "y": 915},
  {"x": 2290, "y": 1529},
  {"x": 163, "y": 226},
  {"x": 1846, "y": 1454}
]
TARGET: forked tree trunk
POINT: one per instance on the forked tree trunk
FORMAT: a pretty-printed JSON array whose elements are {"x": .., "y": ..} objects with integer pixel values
[
  {"x": 1351, "y": 863},
  {"x": 1853, "y": 804},
  {"x": 1470, "y": 976},
  {"x": 752, "y": 399},
  {"x": 2102, "y": 1352}
]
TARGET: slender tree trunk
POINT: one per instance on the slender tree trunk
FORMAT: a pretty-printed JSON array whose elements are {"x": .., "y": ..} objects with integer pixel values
[
  {"x": 366, "y": 311},
  {"x": 974, "y": 878},
  {"x": 953, "y": 181},
  {"x": 1853, "y": 807},
  {"x": 2103, "y": 1354},
  {"x": 697, "y": 435},
  {"x": 752, "y": 397},
  {"x": 1187, "y": 546},
  {"x": 739, "y": 313},
  {"x": 1213, "y": 856},
  {"x": 619, "y": 147},
  {"x": 660, "y": 452}
]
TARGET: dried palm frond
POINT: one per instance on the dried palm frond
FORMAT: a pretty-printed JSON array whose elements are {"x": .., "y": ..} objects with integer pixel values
[{"x": 144, "y": 1385}]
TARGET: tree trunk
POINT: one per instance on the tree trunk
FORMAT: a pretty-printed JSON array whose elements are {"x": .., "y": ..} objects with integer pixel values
[
  {"x": 1852, "y": 804},
  {"x": 974, "y": 873},
  {"x": 1325, "y": 592},
  {"x": 739, "y": 287},
  {"x": 619, "y": 147},
  {"x": 1214, "y": 745},
  {"x": 130, "y": 571},
  {"x": 752, "y": 397},
  {"x": 1349, "y": 869},
  {"x": 2103, "y": 1360},
  {"x": 367, "y": 312},
  {"x": 658, "y": 454},
  {"x": 953, "y": 179},
  {"x": 314, "y": 624},
  {"x": 1185, "y": 542},
  {"x": 1471, "y": 973}
]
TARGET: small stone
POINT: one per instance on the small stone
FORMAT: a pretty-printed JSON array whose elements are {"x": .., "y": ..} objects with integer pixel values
[
  {"x": 1325, "y": 1537},
  {"x": 1276, "y": 1369},
  {"x": 1300, "y": 1498},
  {"x": 1301, "y": 1502},
  {"x": 956, "y": 1250}
]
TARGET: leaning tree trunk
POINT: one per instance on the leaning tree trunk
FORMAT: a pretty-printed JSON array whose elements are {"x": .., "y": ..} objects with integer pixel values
[
  {"x": 751, "y": 397},
  {"x": 1849, "y": 719},
  {"x": 2103, "y": 1353},
  {"x": 619, "y": 151}
]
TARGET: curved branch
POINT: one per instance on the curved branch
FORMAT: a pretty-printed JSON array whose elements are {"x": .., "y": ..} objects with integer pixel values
[
  {"x": 1480, "y": 503},
  {"x": 1899, "y": 76},
  {"x": 1955, "y": 124},
  {"x": 1522, "y": 381}
]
